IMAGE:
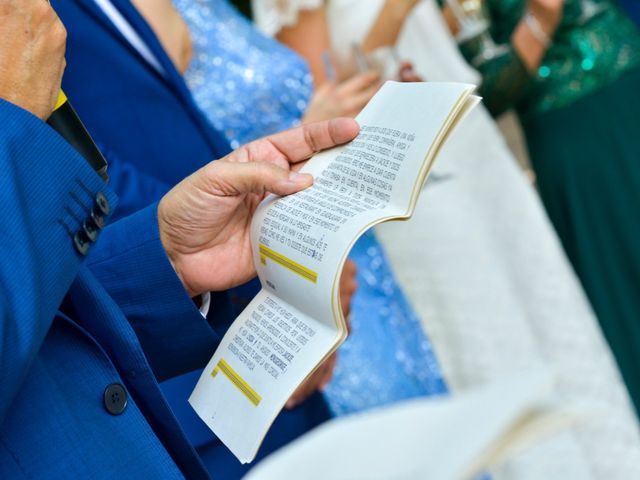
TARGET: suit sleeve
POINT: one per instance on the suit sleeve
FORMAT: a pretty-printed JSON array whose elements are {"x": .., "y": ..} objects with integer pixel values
[
  {"x": 136, "y": 189},
  {"x": 131, "y": 264},
  {"x": 46, "y": 192}
]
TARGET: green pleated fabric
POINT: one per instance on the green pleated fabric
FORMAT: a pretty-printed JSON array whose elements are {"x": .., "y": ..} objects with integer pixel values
[{"x": 587, "y": 160}]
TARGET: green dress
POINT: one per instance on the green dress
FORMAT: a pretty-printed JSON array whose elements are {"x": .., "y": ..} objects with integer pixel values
[{"x": 580, "y": 114}]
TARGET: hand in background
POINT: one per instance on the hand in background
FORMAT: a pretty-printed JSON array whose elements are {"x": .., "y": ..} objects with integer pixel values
[
  {"x": 323, "y": 374},
  {"x": 31, "y": 55},
  {"x": 548, "y": 13},
  {"x": 348, "y": 286},
  {"x": 205, "y": 220},
  {"x": 344, "y": 99},
  {"x": 408, "y": 74}
]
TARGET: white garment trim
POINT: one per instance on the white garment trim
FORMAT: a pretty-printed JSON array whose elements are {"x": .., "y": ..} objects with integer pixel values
[
  {"x": 206, "y": 304},
  {"x": 271, "y": 16}
]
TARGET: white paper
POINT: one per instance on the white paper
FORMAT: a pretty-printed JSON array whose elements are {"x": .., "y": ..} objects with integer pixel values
[{"x": 300, "y": 243}]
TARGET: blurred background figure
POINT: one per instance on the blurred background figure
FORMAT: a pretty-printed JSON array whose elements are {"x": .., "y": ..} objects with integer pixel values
[
  {"x": 633, "y": 9},
  {"x": 571, "y": 69},
  {"x": 480, "y": 261},
  {"x": 486, "y": 206}
]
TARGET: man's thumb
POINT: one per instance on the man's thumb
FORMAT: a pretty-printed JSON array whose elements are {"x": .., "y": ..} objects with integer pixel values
[{"x": 259, "y": 178}]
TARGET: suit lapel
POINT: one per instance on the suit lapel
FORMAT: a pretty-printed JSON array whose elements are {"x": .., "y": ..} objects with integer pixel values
[
  {"x": 92, "y": 8},
  {"x": 171, "y": 77},
  {"x": 142, "y": 28}
]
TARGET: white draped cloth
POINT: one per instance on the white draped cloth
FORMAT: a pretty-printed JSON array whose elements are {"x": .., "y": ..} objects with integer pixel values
[{"x": 485, "y": 271}]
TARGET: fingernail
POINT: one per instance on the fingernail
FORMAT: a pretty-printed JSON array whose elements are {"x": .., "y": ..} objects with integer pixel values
[{"x": 296, "y": 177}]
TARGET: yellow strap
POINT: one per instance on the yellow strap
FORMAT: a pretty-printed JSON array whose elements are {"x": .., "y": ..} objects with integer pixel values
[{"x": 62, "y": 99}]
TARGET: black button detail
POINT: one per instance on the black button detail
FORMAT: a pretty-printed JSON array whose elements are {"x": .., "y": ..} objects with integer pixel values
[
  {"x": 90, "y": 229},
  {"x": 102, "y": 206},
  {"x": 81, "y": 242},
  {"x": 115, "y": 399},
  {"x": 97, "y": 219}
]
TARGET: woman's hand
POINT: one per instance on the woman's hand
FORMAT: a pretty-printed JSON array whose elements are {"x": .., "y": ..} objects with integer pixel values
[
  {"x": 408, "y": 74},
  {"x": 548, "y": 13},
  {"x": 530, "y": 43},
  {"x": 324, "y": 373},
  {"x": 348, "y": 286},
  {"x": 345, "y": 99}
]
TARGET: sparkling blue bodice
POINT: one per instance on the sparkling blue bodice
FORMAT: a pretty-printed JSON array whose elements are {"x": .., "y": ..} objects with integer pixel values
[{"x": 250, "y": 86}]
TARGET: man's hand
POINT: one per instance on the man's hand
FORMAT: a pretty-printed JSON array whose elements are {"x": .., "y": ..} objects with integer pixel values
[
  {"x": 205, "y": 220},
  {"x": 323, "y": 374},
  {"x": 31, "y": 55}
]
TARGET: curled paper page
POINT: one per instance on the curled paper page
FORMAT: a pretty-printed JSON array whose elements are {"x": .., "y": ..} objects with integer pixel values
[{"x": 300, "y": 243}]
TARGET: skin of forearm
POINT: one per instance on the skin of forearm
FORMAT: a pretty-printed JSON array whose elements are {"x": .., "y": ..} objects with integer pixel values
[
  {"x": 310, "y": 38},
  {"x": 450, "y": 20},
  {"x": 527, "y": 47},
  {"x": 388, "y": 25}
]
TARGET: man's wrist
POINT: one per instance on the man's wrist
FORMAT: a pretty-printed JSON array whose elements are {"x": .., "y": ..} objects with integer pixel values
[{"x": 165, "y": 241}]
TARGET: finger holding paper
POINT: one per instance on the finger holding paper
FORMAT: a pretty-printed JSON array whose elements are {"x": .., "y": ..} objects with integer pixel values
[
  {"x": 204, "y": 221},
  {"x": 300, "y": 242}
]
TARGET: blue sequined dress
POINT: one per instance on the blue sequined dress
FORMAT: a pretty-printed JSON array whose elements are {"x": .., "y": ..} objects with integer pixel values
[{"x": 250, "y": 86}]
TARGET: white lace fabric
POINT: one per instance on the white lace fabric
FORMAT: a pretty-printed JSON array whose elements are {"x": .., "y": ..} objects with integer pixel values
[{"x": 271, "y": 16}]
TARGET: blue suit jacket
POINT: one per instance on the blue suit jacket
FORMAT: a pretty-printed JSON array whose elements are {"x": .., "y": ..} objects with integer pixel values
[
  {"x": 146, "y": 122},
  {"x": 125, "y": 319},
  {"x": 69, "y": 328},
  {"x": 154, "y": 135}
]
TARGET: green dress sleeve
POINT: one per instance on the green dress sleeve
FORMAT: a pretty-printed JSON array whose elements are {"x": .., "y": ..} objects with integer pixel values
[
  {"x": 585, "y": 55},
  {"x": 505, "y": 80}
]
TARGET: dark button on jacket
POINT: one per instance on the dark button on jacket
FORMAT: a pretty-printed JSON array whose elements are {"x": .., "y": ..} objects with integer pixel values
[
  {"x": 115, "y": 399},
  {"x": 102, "y": 206},
  {"x": 81, "y": 243}
]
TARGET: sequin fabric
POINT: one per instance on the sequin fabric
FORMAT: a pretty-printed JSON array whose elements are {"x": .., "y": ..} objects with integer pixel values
[
  {"x": 247, "y": 85},
  {"x": 589, "y": 51},
  {"x": 250, "y": 86}
]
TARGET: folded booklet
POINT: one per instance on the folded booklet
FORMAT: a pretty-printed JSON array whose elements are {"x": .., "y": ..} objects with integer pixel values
[
  {"x": 446, "y": 438},
  {"x": 300, "y": 243}
]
